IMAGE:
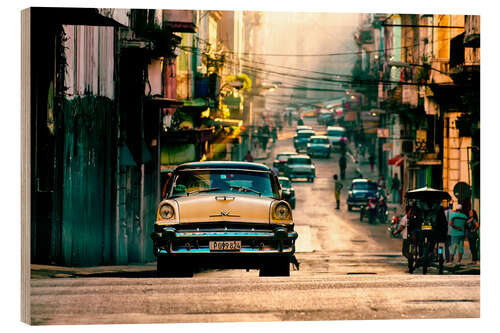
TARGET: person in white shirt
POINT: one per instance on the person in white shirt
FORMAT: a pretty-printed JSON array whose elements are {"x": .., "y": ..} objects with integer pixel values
[{"x": 404, "y": 230}]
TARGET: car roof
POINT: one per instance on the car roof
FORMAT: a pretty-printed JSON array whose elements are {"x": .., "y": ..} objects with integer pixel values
[
  {"x": 363, "y": 180},
  {"x": 335, "y": 128},
  {"x": 287, "y": 153},
  {"x": 223, "y": 165},
  {"x": 319, "y": 137},
  {"x": 299, "y": 156},
  {"x": 307, "y": 131},
  {"x": 283, "y": 178}
]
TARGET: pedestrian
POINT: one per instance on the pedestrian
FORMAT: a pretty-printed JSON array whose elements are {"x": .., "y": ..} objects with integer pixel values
[
  {"x": 447, "y": 243},
  {"x": 249, "y": 157},
  {"x": 275, "y": 170},
  {"x": 395, "y": 186},
  {"x": 372, "y": 161},
  {"x": 472, "y": 231},
  {"x": 457, "y": 222},
  {"x": 381, "y": 184},
  {"x": 342, "y": 166},
  {"x": 404, "y": 230},
  {"x": 338, "y": 188}
]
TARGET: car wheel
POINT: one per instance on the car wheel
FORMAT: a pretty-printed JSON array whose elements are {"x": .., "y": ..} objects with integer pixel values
[
  {"x": 169, "y": 267},
  {"x": 349, "y": 207},
  {"x": 280, "y": 267}
]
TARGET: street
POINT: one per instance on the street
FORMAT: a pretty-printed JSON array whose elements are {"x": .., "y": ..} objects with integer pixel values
[{"x": 349, "y": 270}]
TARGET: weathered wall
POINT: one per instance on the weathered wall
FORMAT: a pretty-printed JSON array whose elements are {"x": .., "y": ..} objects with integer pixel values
[{"x": 89, "y": 160}]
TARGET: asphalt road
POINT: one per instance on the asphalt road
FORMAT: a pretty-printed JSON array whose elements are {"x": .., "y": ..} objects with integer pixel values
[{"x": 349, "y": 270}]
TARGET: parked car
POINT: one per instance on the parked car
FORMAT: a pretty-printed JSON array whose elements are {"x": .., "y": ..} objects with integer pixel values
[
  {"x": 318, "y": 145},
  {"x": 337, "y": 137},
  {"x": 360, "y": 191},
  {"x": 287, "y": 191},
  {"x": 300, "y": 166},
  {"x": 280, "y": 160},
  {"x": 301, "y": 139},
  {"x": 223, "y": 215}
]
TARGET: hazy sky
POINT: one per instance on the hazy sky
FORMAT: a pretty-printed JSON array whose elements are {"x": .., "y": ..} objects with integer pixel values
[{"x": 305, "y": 36}]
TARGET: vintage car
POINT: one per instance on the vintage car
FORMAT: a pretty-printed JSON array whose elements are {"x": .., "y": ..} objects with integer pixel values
[
  {"x": 287, "y": 191},
  {"x": 360, "y": 191},
  {"x": 337, "y": 137},
  {"x": 301, "y": 139},
  {"x": 280, "y": 161},
  {"x": 223, "y": 215},
  {"x": 318, "y": 145},
  {"x": 300, "y": 166}
]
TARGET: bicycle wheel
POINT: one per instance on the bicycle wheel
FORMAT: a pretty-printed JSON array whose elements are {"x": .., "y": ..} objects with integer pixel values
[{"x": 412, "y": 258}]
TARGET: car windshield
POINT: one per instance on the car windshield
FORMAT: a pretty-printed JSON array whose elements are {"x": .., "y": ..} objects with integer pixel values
[
  {"x": 296, "y": 161},
  {"x": 320, "y": 140},
  {"x": 305, "y": 134},
  {"x": 335, "y": 133},
  {"x": 285, "y": 183},
  {"x": 365, "y": 186},
  {"x": 194, "y": 182}
]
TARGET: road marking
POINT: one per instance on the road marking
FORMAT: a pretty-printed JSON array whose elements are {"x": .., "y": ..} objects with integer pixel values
[{"x": 303, "y": 242}]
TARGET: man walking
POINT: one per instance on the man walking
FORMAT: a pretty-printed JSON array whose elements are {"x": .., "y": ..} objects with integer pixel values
[
  {"x": 447, "y": 243},
  {"x": 457, "y": 222},
  {"x": 342, "y": 166},
  {"x": 338, "y": 188},
  {"x": 395, "y": 186}
]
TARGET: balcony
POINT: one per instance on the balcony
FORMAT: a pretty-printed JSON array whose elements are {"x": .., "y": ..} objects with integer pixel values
[
  {"x": 179, "y": 20},
  {"x": 472, "y": 31}
]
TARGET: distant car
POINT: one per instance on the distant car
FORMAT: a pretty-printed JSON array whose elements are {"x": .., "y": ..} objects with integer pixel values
[
  {"x": 281, "y": 158},
  {"x": 325, "y": 116},
  {"x": 300, "y": 166},
  {"x": 360, "y": 191},
  {"x": 318, "y": 145},
  {"x": 337, "y": 136},
  {"x": 301, "y": 139},
  {"x": 287, "y": 191},
  {"x": 223, "y": 214}
]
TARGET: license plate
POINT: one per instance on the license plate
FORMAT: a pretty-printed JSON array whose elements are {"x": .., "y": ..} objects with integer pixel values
[
  {"x": 225, "y": 245},
  {"x": 427, "y": 227}
]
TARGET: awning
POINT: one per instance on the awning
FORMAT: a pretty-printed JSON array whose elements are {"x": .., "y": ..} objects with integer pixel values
[
  {"x": 72, "y": 16},
  {"x": 165, "y": 102},
  {"x": 396, "y": 160},
  {"x": 195, "y": 104}
]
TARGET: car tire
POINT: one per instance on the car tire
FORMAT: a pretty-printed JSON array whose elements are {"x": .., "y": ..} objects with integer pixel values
[
  {"x": 279, "y": 267},
  {"x": 169, "y": 267},
  {"x": 349, "y": 207}
]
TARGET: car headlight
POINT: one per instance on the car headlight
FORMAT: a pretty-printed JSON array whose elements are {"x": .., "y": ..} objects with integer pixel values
[
  {"x": 166, "y": 212},
  {"x": 282, "y": 212}
]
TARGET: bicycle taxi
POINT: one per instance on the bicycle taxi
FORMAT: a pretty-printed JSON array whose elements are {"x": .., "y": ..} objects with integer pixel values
[{"x": 427, "y": 228}]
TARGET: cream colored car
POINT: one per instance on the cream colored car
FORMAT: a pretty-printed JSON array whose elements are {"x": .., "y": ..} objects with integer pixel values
[{"x": 223, "y": 215}]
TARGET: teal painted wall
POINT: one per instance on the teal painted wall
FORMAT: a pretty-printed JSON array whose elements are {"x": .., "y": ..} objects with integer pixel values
[{"x": 88, "y": 199}]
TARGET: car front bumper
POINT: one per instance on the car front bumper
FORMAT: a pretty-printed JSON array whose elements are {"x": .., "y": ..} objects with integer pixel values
[{"x": 195, "y": 242}]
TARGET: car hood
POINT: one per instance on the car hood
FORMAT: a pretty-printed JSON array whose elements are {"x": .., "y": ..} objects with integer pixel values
[{"x": 224, "y": 208}]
